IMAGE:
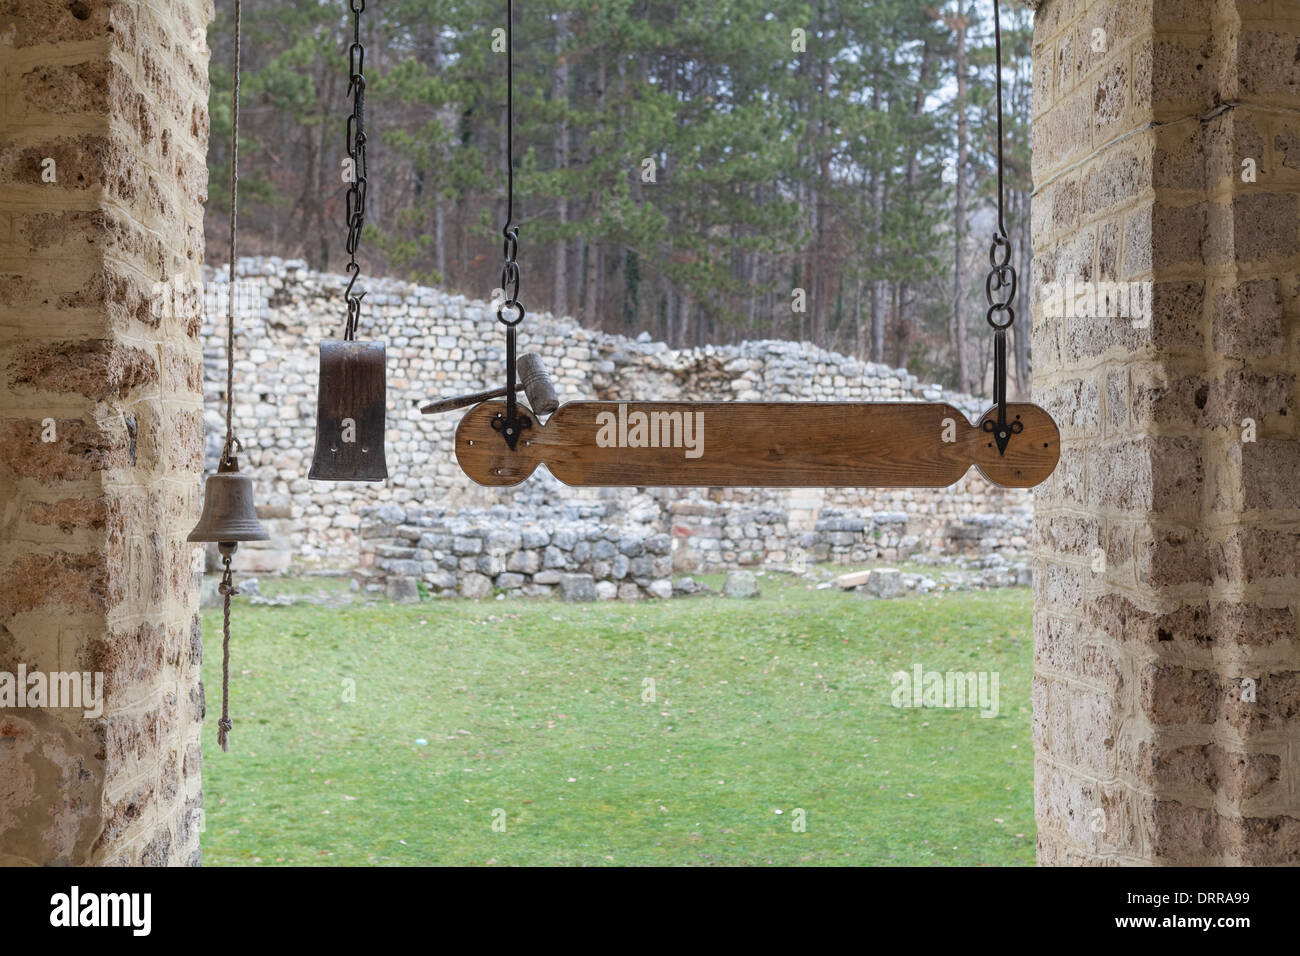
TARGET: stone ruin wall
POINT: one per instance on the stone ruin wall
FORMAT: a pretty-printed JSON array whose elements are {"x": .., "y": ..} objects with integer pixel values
[{"x": 419, "y": 522}]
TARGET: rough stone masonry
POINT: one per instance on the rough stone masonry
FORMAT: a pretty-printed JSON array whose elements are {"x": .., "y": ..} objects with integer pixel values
[
  {"x": 1166, "y": 694},
  {"x": 103, "y": 135},
  {"x": 428, "y": 520}
]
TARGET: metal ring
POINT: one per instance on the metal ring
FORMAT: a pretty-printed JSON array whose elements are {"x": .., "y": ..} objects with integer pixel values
[
  {"x": 510, "y": 281},
  {"x": 510, "y": 304},
  {"x": 1011, "y": 316},
  {"x": 1002, "y": 283},
  {"x": 999, "y": 242}
]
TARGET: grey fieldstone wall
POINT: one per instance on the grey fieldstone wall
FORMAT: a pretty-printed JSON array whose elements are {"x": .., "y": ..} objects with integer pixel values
[{"x": 430, "y": 522}]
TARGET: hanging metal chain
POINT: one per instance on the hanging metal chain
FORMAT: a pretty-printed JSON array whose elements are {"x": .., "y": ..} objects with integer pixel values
[
  {"x": 1000, "y": 284},
  {"x": 226, "y": 589},
  {"x": 231, "y": 442},
  {"x": 1001, "y": 280},
  {"x": 356, "y": 144},
  {"x": 512, "y": 423}
]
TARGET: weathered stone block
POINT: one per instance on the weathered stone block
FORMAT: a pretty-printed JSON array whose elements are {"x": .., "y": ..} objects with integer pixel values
[
  {"x": 740, "y": 584},
  {"x": 475, "y": 585},
  {"x": 403, "y": 590},
  {"x": 885, "y": 583},
  {"x": 577, "y": 587}
]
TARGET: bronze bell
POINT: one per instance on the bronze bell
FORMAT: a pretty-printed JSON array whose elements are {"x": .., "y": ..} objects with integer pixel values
[
  {"x": 229, "y": 515},
  {"x": 350, "y": 409}
]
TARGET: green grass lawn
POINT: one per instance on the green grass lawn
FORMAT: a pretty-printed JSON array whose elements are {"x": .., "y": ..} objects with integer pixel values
[{"x": 532, "y": 715}]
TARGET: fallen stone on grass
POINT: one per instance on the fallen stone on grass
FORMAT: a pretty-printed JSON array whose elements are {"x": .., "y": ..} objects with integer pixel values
[
  {"x": 885, "y": 583},
  {"x": 740, "y": 584},
  {"x": 852, "y": 579}
]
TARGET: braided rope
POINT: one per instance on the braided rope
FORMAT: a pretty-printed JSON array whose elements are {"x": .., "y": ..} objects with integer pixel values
[{"x": 225, "y": 589}]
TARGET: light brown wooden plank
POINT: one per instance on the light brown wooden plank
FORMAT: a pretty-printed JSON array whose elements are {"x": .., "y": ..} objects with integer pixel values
[{"x": 758, "y": 444}]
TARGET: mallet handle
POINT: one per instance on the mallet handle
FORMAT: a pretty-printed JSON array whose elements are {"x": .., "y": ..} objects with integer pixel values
[
  {"x": 460, "y": 401},
  {"x": 533, "y": 382}
]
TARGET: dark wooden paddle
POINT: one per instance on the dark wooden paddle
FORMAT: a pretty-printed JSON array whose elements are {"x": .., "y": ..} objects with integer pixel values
[{"x": 759, "y": 444}]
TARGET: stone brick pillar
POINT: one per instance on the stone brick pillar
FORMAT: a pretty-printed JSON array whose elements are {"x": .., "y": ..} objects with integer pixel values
[
  {"x": 1167, "y": 659},
  {"x": 103, "y": 134}
]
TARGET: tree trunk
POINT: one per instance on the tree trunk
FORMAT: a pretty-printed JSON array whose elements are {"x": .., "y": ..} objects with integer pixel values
[
  {"x": 560, "y": 95},
  {"x": 670, "y": 316},
  {"x": 751, "y": 282},
  {"x": 959, "y": 215},
  {"x": 902, "y": 343},
  {"x": 591, "y": 298},
  {"x": 878, "y": 219},
  {"x": 440, "y": 239},
  {"x": 821, "y": 285},
  {"x": 591, "y": 283},
  {"x": 859, "y": 337},
  {"x": 1024, "y": 318}
]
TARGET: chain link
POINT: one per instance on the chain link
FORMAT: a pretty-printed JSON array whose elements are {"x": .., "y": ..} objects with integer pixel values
[
  {"x": 355, "y": 203},
  {"x": 1000, "y": 284}
]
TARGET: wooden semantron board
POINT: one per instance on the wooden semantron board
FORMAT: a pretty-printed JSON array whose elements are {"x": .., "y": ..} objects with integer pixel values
[{"x": 758, "y": 444}]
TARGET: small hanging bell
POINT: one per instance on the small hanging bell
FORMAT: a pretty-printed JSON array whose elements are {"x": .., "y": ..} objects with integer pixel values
[
  {"x": 229, "y": 515},
  {"x": 350, "y": 410}
]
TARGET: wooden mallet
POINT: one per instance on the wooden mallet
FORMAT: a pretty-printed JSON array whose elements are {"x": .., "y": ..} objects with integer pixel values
[{"x": 534, "y": 382}]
